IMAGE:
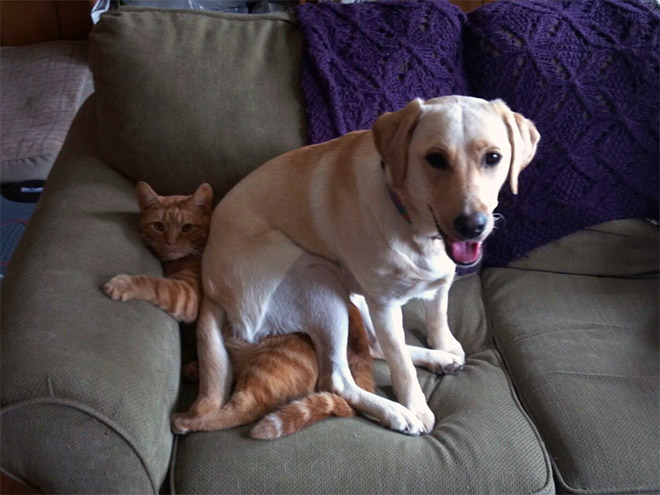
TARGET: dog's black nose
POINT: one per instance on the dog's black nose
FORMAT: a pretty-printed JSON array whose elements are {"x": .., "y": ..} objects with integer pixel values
[{"x": 470, "y": 226}]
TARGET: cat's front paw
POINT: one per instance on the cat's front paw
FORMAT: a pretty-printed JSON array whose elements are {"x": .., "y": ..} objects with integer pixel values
[{"x": 120, "y": 288}]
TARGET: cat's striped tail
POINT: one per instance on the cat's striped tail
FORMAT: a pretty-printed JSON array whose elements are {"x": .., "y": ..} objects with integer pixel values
[{"x": 300, "y": 414}]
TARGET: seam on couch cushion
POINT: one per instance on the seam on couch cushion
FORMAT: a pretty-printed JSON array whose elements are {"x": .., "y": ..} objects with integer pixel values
[
  {"x": 514, "y": 395},
  {"x": 91, "y": 412},
  {"x": 175, "y": 448},
  {"x": 222, "y": 15},
  {"x": 637, "y": 276}
]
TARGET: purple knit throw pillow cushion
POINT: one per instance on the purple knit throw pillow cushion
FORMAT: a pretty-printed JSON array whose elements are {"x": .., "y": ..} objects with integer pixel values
[
  {"x": 586, "y": 72},
  {"x": 365, "y": 59}
]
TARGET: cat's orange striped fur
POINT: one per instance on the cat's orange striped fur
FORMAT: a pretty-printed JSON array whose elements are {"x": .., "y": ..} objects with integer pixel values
[
  {"x": 268, "y": 374},
  {"x": 175, "y": 228}
]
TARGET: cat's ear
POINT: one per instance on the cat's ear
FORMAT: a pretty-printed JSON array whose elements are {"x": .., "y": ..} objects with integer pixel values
[
  {"x": 146, "y": 196},
  {"x": 203, "y": 197}
]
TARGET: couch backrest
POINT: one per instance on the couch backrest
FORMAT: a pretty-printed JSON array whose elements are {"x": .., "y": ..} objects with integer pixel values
[{"x": 186, "y": 97}]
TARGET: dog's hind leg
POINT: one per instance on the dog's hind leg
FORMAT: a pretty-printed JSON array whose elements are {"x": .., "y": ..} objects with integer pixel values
[
  {"x": 215, "y": 375},
  {"x": 322, "y": 296}
]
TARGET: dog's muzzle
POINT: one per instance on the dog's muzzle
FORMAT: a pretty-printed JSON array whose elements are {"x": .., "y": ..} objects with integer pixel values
[{"x": 463, "y": 253}]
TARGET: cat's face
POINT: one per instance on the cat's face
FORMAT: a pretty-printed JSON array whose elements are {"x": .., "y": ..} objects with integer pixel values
[{"x": 174, "y": 226}]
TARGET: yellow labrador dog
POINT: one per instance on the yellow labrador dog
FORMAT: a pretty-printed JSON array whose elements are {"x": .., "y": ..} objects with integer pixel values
[{"x": 380, "y": 216}]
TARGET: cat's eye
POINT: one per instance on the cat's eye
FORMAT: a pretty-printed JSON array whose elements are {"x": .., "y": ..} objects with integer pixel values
[
  {"x": 493, "y": 159},
  {"x": 437, "y": 160},
  {"x": 158, "y": 226},
  {"x": 186, "y": 228}
]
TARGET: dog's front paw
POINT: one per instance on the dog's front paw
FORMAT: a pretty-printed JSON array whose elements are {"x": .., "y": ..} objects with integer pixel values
[
  {"x": 401, "y": 419},
  {"x": 441, "y": 362},
  {"x": 426, "y": 416},
  {"x": 445, "y": 341},
  {"x": 120, "y": 288}
]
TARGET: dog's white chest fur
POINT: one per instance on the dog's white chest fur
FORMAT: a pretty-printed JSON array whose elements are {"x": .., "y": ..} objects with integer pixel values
[{"x": 408, "y": 271}]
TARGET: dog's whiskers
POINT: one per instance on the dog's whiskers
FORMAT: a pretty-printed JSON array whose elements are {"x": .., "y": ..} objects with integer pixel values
[{"x": 498, "y": 220}]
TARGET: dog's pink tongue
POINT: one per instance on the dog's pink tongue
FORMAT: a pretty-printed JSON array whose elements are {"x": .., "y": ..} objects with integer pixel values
[{"x": 465, "y": 252}]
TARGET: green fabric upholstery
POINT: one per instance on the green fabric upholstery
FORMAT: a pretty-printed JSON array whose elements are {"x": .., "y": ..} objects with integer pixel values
[
  {"x": 583, "y": 353},
  {"x": 186, "y": 97},
  {"x": 482, "y": 443},
  {"x": 112, "y": 368},
  {"x": 71, "y": 449},
  {"x": 623, "y": 248}
]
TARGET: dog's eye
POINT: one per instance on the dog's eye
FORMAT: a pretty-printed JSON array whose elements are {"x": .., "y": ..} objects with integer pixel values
[
  {"x": 437, "y": 160},
  {"x": 493, "y": 159}
]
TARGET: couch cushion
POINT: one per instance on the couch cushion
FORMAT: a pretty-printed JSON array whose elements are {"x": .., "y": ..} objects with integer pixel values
[
  {"x": 586, "y": 72},
  {"x": 620, "y": 248},
  {"x": 582, "y": 351},
  {"x": 192, "y": 96},
  {"x": 43, "y": 86},
  {"x": 482, "y": 442},
  {"x": 87, "y": 383}
]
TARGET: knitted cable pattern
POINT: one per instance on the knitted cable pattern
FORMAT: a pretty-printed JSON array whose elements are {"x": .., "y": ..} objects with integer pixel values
[
  {"x": 586, "y": 72},
  {"x": 369, "y": 58}
]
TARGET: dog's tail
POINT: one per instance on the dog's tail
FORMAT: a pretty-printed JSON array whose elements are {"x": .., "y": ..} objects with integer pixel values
[{"x": 300, "y": 414}]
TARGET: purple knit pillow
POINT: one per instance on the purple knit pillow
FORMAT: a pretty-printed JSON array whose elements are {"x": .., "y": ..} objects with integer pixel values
[
  {"x": 586, "y": 72},
  {"x": 365, "y": 59}
]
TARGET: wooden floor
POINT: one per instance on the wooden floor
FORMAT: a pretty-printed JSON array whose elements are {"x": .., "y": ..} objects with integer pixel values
[{"x": 10, "y": 487}]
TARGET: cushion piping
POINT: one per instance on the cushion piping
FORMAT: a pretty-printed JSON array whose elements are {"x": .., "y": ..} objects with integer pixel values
[
  {"x": 514, "y": 394},
  {"x": 274, "y": 16},
  {"x": 175, "y": 448}
]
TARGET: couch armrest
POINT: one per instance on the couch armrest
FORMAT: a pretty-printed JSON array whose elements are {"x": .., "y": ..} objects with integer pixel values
[{"x": 87, "y": 383}]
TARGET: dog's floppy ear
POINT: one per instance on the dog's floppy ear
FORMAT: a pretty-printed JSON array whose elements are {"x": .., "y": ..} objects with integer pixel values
[
  {"x": 524, "y": 139},
  {"x": 146, "y": 196},
  {"x": 392, "y": 133}
]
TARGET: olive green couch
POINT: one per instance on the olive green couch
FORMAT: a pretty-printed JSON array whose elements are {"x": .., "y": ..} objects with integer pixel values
[{"x": 560, "y": 391}]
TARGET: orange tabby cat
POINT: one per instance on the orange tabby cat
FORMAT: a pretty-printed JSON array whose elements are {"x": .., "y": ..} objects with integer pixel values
[
  {"x": 284, "y": 367},
  {"x": 268, "y": 374},
  {"x": 175, "y": 228}
]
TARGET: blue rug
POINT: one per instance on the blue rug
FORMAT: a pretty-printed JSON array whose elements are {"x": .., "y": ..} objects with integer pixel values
[{"x": 14, "y": 217}]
